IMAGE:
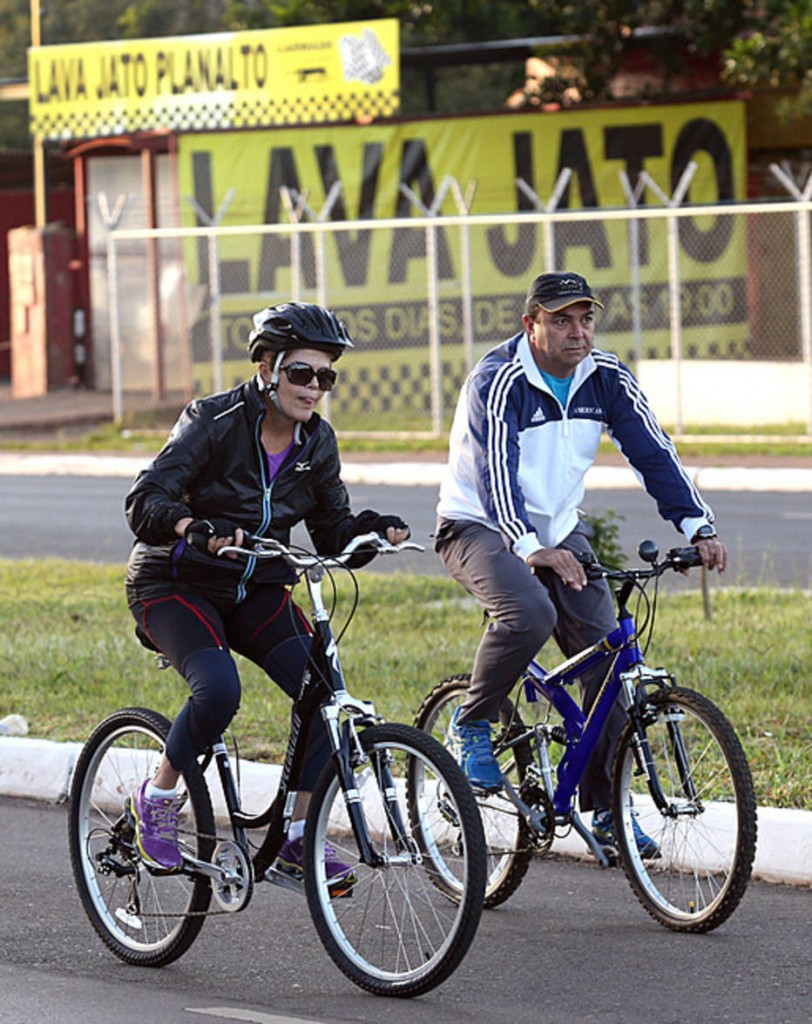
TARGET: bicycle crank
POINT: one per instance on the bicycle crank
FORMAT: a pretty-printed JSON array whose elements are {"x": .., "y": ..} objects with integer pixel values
[
  {"x": 231, "y": 874},
  {"x": 538, "y": 816}
]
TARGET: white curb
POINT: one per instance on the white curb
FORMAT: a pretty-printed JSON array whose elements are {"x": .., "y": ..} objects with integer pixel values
[
  {"x": 417, "y": 474},
  {"x": 41, "y": 770}
]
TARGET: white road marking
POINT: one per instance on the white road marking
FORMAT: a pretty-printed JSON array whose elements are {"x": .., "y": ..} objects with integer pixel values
[{"x": 251, "y": 1016}]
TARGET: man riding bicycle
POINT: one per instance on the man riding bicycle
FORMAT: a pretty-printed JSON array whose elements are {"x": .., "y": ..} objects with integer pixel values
[{"x": 527, "y": 428}]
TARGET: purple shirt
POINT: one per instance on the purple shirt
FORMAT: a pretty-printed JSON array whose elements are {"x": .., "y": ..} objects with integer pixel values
[{"x": 275, "y": 461}]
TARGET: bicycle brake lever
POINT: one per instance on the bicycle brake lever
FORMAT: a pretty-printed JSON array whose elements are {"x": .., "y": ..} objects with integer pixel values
[
  {"x": 592, "y": 567},
  {"x": 405, "y": 545}
]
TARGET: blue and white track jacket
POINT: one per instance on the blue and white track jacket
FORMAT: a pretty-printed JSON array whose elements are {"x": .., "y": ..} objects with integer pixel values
[{"x": 517, "y": 460}]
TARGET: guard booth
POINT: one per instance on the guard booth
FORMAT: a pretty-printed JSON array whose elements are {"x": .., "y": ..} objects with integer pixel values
[{"x": 41, "y": 300}]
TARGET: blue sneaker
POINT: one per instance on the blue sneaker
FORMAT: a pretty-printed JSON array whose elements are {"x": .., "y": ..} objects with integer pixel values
[
  {"x": 471, "y": 746},
  {"x": 603, "y": 829}
]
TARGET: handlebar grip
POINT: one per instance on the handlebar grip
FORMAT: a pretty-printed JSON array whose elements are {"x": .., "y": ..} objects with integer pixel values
[{"x": 685, "y": 558}]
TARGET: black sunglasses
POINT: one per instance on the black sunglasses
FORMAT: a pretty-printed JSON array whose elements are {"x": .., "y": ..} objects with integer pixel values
[{"x": 302, "y": 373}]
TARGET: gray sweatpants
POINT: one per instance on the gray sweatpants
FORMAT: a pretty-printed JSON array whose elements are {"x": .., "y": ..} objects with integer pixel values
[{"x": 525, "y": 611}]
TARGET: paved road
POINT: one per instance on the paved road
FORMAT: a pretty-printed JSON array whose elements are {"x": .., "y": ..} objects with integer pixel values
[
  {"x": 571, "y": 947},
  {"x": 768, "y": 533}
]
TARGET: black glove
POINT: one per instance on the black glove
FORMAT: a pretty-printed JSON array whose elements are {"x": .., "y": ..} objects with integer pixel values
[
  {"x": 372, "y": 522},
  {"x": 380, "y": 524},
  {"x": 200, "y": 531}
]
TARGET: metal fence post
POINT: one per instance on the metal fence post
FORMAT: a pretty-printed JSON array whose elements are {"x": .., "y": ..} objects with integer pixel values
[
  {"x": 675, "y": 312},
  {"x": 116, "y": 376},
  {"x": 111, "y": 219},
  {"x": 215, "y": 338},
  {"x": 802, "y": 236},
  {"x": 464, "y": 203},
  {"x": 298, "y": 201},
  {"x": 295, "y": 203},
  {"x": 551, "y": 206},
  {"x": 432, "y": 298},
  {"x": 633, "y": 196}
]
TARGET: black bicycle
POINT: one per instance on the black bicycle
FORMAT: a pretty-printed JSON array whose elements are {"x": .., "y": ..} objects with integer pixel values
[
  {"x": 679, "y": 773},
  {"x": 391, "y": 801}
]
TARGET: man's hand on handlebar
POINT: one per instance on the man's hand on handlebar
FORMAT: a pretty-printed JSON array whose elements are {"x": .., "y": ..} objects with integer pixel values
[
  {"x": 562, "y": 562},
  {"x": 713, "y": 554}
]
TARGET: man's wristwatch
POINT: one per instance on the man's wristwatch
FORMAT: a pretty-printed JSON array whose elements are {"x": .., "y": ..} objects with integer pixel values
[{"x": 704, "y": 533}]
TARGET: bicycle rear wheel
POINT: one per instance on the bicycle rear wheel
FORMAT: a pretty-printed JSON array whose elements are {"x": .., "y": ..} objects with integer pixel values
[
  {"x": 707, "y": 836},
  {"x": 146, "y": 917},
  {"x": 507, "y": 836},
  {"x": 392, "y": 931}
]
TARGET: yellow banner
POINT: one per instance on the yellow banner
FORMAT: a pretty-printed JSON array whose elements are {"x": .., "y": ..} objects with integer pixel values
[
  {"x": 377, "y": 279},
  {"x": 270, "y": 77}
]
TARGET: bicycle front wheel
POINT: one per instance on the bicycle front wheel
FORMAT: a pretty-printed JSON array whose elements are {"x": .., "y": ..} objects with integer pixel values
[
  {"x": 145, "y": 916},
  {"x": 386, "y": 925},
  {"x": 507, "y": 836},
  {"x": 706, "y": 833}
]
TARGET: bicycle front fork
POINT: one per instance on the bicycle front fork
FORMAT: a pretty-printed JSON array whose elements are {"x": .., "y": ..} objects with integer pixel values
[
  {"x": 634, "y": 689},
  {"x": 349, "y": 754}
]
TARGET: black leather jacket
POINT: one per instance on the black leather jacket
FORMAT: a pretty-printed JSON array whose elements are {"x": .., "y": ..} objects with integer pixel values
[{"x": 213, "y": 465}]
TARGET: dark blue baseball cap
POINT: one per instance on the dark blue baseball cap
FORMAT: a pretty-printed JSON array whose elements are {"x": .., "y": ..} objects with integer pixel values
[{"x": 557, "y": 291}]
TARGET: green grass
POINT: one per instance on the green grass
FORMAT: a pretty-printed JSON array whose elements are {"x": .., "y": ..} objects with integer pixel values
[
  {"x": 704, "y": 442},
  {"x": 68, "y": 656}
]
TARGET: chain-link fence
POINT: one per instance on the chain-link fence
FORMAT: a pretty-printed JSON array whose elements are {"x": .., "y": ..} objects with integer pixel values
[{"x": 710, "y": 305}]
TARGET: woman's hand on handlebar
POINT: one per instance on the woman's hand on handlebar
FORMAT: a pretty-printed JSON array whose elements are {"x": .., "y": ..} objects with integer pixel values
[
  {"x": 392, "y": 527},
  {"x": 395, "y": 535},
  {"x": 210, "y": 534}
]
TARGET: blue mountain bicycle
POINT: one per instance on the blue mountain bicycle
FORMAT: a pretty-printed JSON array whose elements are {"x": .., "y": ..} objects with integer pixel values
[{"x": 679, "y": 770}]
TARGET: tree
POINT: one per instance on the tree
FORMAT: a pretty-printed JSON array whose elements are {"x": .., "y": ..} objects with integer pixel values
[
  {"x": 149, "y": 19},
  {"x": 778, "y": 54},
  {"x": 758, "y": 42}
]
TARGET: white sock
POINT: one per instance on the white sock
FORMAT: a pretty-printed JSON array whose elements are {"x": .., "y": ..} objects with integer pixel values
[
  {"x": 296, "y": 830},
  {"x": 153, "y": 793}
]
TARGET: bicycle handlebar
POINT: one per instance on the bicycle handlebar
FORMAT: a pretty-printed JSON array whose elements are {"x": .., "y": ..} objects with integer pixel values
[
  {"x": 268, "y": 547},
  {"x": 677, "y": 559}
]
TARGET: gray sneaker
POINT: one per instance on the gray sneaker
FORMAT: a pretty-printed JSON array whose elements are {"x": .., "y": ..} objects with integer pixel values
[{"x": 156, "y": 828}]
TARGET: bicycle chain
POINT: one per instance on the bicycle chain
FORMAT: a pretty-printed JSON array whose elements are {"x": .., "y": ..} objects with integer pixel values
[{"x": 192, "y": 913}]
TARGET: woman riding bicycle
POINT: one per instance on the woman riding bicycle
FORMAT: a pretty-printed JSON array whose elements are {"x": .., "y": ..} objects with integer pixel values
[
  {"x": 257, "y": 459},
  {"x": 526, "y": 430}
]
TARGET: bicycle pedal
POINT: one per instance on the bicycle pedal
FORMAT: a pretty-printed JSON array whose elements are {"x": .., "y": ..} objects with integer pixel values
[
  {"x": 611, "y": 855},
  {"x": 284, "y": 881},
  {"x": 338, "y": 890},
  {"x": 486, "y": 790}
]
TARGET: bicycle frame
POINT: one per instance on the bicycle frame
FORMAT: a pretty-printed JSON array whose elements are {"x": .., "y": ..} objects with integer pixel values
[
  {"x": 582, "y": 731},
  {"x": 626, "y": 673},
  {"x": 323, "y": 689}
]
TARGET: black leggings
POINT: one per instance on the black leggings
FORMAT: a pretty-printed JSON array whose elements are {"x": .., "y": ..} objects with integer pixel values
[{"x": 197, "y": 638}]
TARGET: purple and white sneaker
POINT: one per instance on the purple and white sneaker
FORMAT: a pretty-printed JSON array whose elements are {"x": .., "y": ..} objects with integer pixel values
[{"x": 156, "y": 828}]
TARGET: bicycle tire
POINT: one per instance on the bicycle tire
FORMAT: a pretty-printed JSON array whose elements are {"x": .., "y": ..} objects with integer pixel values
[
  {"x": 507, "y": 835},
  {"x": 145, "y": 917},
  {"x": 706, "y": 850},
  {"x": 394, "y": 933}
]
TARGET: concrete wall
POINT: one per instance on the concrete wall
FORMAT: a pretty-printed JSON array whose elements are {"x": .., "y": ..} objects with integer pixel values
[{"x": 728, "y": 393}]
